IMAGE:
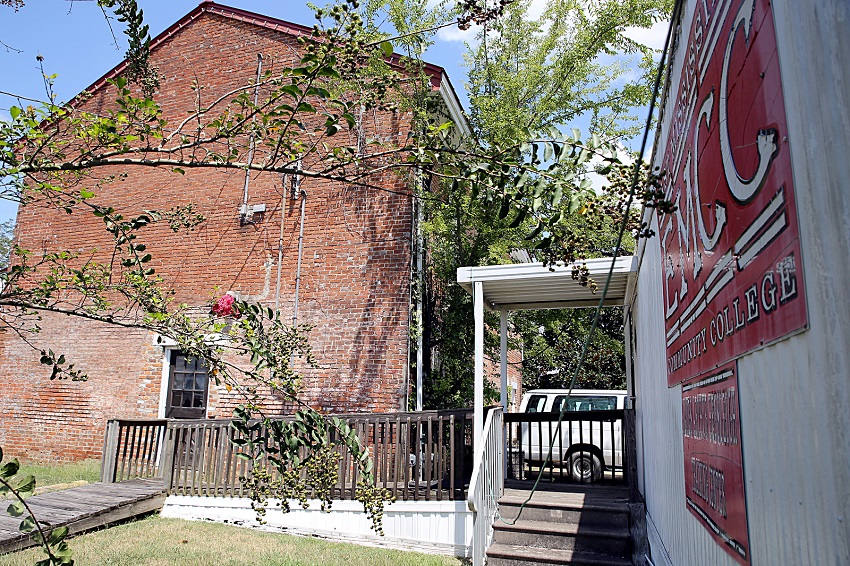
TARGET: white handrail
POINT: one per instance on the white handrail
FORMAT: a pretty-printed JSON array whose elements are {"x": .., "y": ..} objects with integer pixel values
[{"x": 487, "y": 484}]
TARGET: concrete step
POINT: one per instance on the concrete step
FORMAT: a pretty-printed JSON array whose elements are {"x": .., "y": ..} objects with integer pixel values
[
  {"x": 513, "y": 555},
  {"x": 610, "y": 541},
  {"x": 585, "y": 514}
]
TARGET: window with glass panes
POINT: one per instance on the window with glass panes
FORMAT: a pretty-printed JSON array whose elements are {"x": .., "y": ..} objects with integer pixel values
[{"x": 187, "y": 387}]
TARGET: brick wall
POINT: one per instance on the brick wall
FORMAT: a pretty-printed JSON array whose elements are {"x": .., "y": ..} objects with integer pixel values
[
  {"x": 492, "y": 373},
  {"x": 355, "y": 268}
]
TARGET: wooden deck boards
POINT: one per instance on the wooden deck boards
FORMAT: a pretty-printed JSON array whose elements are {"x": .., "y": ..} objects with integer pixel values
[{"x": 85, "y": 507}]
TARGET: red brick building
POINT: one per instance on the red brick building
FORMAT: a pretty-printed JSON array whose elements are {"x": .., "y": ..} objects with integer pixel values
[{"x": 356, "y": 268}]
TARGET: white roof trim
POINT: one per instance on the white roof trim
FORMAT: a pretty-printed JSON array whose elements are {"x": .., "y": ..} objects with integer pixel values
[{"x": 449, "y": 96}]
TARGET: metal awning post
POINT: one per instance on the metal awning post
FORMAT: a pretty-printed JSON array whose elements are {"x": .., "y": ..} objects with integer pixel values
[
  {"x": 478, "y": 399},
  {"x": 503, "y": 357},
  {"x": 503, "y": 343}
]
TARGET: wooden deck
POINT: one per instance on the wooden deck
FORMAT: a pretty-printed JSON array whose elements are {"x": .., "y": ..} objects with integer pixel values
[{"x": 84, "y": 508}]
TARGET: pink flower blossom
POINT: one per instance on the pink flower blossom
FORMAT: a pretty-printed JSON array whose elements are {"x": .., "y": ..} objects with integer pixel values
[{"x": 224, "y": 306}]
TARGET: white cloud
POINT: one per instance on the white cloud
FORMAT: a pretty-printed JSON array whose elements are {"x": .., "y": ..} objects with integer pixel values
[
  {"x": 651, "y": 37},
  {"x": 452, "y": 33}
]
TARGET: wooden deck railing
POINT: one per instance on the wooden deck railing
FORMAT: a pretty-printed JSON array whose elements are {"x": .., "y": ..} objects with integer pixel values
[
  {"x": 417, "y": 456},
  {"x": 132, "y": 448}
]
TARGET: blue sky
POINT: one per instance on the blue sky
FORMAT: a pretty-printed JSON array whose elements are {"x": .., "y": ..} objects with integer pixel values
[{"x": 77, "y": 44}]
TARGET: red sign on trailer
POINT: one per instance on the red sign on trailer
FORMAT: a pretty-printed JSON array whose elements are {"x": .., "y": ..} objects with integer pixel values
[
  {"x": 714, "y": 470},
  {"x": 732, "y": 267}
]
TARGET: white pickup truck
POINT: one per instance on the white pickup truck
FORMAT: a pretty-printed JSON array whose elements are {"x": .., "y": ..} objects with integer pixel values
[{"x": 587, "y": 447}]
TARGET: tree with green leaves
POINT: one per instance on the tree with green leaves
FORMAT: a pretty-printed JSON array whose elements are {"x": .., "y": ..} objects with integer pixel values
[
  {"x": 574, "y": 60},
  {"x": 7, "y": 231},
  {"x": 530, "y": 76}
]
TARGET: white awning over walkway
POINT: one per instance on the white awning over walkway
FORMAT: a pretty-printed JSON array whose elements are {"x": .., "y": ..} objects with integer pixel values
[{"x": 531, "y": 286}]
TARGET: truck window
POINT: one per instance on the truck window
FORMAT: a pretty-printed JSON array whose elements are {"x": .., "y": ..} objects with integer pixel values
[
  {"x": 536, "y": 404},
  {"x": 585, "y": 403}
]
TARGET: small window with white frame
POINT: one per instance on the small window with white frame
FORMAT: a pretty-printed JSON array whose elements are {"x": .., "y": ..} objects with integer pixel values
[{"x": 188, "y": 387}]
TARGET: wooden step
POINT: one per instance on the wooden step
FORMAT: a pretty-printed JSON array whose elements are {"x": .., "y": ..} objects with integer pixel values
[
  {"x": 513, "y": 555},
  {"x": 610, "y": 541},
  {"x": 589, "y": 514}
]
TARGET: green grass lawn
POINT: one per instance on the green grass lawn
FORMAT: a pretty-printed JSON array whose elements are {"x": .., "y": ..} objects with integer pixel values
[
  {"x": 62, "y": 473},
  {"x": 156, "y": 541}
]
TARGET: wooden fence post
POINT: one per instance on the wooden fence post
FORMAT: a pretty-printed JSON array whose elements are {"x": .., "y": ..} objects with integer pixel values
[
  {"x": 110, "y": 452},
  {"x": 631, "y": 454},
  {"x": 167, "y": 459}
]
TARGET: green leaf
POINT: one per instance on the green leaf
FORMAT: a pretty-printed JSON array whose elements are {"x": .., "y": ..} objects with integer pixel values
[
  {"x": 27, "y": 525},
  {"x": 387, "y": 48},
  {"x": 537, "y": 229},
  {"x": 14, "y": 111},
  {"x": 536, "y": 204},
  {"x": 63, "y": 552},
  {"x": 318, "y": 91},
  {"x": 558, "y": 195},
  {"x": 583, "y": 156},
  {"x": 505, "y": 208},
  {"x": 9, "y": 469},
  {"x": 544, "y": 244},
  {"x": 15, "y": 509},
  {"x": 85, "y": 193},
  {"x": 57, "y": 535},
  {"x": 522, "y": 180},
  {"x": 328, "y": 72},
  {"x": 595, "y": 141},
  {"x": 178, "y": 170},
  {"x": 292, "y": 90},
  {"x": 539, "y": 187},
  {"x": 518, "y": 219}
]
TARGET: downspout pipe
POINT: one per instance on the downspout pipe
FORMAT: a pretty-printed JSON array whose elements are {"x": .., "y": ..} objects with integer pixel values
[
  {"x": 303, "y": 197},
  {"x": 279, "y": 254},
  {"x": 420, "y": 291},
  {"x": 244, "y": 208}
]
